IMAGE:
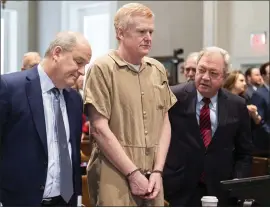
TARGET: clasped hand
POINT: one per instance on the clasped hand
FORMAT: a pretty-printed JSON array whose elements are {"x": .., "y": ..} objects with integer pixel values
[{"x": 141, "y": 186}]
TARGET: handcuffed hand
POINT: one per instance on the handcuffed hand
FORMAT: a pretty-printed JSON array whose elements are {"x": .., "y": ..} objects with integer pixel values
[
  {"x": 138, "y": 183},
  {"x": 154, "y": 186}
]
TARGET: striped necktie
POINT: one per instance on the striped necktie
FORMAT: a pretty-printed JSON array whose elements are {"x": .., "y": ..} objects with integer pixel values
[
  {"x": 205, "y": 123},
  {"x": 66, "y": 179}
]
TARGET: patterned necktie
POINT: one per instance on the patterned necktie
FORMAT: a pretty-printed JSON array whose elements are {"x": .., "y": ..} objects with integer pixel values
[
  {"x": 205, "y": 123},
  {"x": 66, "y": 181}
]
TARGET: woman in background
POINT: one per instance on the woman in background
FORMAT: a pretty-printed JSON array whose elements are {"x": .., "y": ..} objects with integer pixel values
[{"x": 236, "y": 84}]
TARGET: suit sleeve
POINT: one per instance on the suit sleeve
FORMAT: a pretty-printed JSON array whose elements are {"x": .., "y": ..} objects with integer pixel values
[
  {"x": 243, "y": 145},
  {"x": 259, "y": 101},
  {"x": 78, "y": 145},
  {"x": 4, "y": 107}
]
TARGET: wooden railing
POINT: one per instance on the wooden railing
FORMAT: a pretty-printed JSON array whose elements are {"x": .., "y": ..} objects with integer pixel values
[{"x": 260, "y": 166}]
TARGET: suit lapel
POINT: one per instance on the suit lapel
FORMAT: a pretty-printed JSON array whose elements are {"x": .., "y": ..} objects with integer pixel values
[
  {"x": 71, "y": 116},
  {"x": 223, "y": 106},
  {"x": 34, "y": 96},
  {"x": 191, "y": 101}
]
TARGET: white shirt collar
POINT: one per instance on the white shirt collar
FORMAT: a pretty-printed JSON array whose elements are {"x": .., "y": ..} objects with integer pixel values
[
  {"x": 45, "y": 81},
  {"x": 254, "y": 88},
  {"x": 213, "y": 99}
]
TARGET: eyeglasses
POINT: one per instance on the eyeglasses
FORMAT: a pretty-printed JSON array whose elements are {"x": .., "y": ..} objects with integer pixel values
[
  {"x": 190, "y": 69},
  {"x": 211, "y": 73}
]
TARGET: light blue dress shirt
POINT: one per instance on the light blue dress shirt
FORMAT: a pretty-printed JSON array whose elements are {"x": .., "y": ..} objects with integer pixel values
[{"x": 52, "y": 187}]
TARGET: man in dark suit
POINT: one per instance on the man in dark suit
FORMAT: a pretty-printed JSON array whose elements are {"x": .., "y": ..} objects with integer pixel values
[
  {"x": 261, "y": 98},
  {"x": 210, "y": 135},
  {"x": 40, "y": 127},
  {"x": 254, "y": 80}
]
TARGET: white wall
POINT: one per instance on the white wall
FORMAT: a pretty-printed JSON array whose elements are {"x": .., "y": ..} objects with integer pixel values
[
  {"x": 21, "y": 8},
  {"x": 179, "y": 24},
  {"x": 234, "y": 22},
  {"x": 49, "y": 23},
  {"x": 189, "y": 25},
  {"x": 248, "y": 17},
  {"x": 56, "y": 16}
]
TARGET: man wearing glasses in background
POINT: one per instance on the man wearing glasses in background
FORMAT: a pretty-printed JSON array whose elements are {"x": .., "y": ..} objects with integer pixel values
[{"x": 189, "y": 68}]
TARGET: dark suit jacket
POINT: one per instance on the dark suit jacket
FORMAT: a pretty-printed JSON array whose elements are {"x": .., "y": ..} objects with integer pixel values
[
  {"x": 227, "y": 156},
  {"x": 261, "y": 135},
  {"x": 24, "y": 153},
  {"x": 249, "y": 93}
]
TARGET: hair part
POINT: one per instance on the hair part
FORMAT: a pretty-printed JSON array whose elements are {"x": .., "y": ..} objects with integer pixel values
[
  {"x": 214, "y": 49},
  {"x": 124, "y": 15},
  {"x": 231, "y": 79},
  {"x": 193, "y": 55},
  {"x": 66, "y": 40}
]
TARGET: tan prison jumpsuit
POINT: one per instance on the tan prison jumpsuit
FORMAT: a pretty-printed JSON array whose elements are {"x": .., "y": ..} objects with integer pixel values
[{"x": 135, "y": 104}]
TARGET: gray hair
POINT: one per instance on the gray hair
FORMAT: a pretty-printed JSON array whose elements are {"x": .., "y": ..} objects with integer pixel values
[
  {"x": 193, "y": 55},
  {"x": 214, "y": 49},
  {"x": 66, "y": 40}
]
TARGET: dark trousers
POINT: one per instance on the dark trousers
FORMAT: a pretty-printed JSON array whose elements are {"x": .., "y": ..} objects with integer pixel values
[
  {"x": 189, "y": 201},
  {"x": 195, "y": 200}
]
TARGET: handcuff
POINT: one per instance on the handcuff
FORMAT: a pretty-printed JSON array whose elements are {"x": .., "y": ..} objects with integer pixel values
[{"x": 146, "y": 173}]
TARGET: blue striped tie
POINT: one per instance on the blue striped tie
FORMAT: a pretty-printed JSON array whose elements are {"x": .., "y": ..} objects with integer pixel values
[{"x": 66, "y": 181}]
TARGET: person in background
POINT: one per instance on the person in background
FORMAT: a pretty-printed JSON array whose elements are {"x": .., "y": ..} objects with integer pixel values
[
  {"x": 127, "y": 96},
  {"x": 85, "y": 122},
  {"x": 236, "y": 84},
  {"x": 254, "y": 81},
  {"x": 211, "y": 135},
  {"x": 261, "y": 99},
  {"x": 30, "y": 60},
  {"x": 41, "y": 125},
  {"x": 79, "y": 83},
  {"x": 190, "y": 66}
]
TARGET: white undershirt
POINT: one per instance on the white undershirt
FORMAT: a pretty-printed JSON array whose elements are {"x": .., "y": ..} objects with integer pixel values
[{"x": 136, "y": 67}]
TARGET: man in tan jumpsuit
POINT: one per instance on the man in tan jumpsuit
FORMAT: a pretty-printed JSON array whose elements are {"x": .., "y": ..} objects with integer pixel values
[{"x": 127, "y": 97}]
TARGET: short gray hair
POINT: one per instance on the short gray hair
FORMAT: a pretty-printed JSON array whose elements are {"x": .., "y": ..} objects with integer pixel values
[
  {"x": 66, "y": 40},
  {"x": 215, "y": 49},
  {"x": 193, "y": 55}
]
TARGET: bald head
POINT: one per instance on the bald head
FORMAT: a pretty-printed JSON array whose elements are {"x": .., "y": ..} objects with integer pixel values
[
  {"x": 65, "y": 58},
  {"x": 30, "y": 59},
  {"x": 67, "y": 41}
]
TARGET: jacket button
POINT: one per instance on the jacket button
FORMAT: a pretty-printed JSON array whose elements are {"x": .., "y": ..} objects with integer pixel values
[
  {"x": 41, "y": 187},
  {"x": 45, "y": 163}
]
